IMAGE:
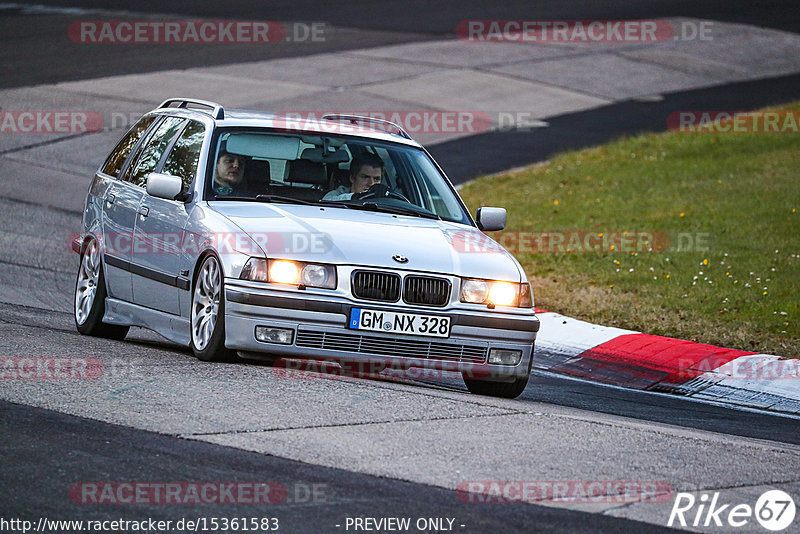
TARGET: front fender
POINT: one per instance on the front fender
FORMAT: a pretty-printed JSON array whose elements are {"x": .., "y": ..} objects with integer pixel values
[{"x": 208, "y": 232}]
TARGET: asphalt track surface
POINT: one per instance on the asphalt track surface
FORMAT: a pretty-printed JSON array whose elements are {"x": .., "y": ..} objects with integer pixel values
[
  {"x": 51, "y": 451},
  {"x": 43, "y": 451}
]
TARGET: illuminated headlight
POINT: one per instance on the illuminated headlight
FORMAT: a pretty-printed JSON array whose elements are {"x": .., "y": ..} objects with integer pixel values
[
  {"x": 496, "y": 293},
  {"x": 504, "y": 294},
  {"x": 288, "y": 272},
  {"x": 284, "y": 272}
]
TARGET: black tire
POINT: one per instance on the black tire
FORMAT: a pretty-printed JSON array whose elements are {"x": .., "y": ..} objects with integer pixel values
[
  {"x": 209, "y": 348},
  {"x": 506, "y": 390},
  {"x": 90, "y": 275}
]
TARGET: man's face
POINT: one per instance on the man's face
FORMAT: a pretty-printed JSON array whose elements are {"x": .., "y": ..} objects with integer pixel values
[
  {"x": 365, "y": 178},
  {"x": 230, "y": 169}
]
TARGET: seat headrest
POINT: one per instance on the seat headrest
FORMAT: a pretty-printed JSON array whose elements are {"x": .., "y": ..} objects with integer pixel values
[
  {"x": 257, "y": 170},
  {"x": 256, "y": 175},
  {"x": 304, "y": 171}
]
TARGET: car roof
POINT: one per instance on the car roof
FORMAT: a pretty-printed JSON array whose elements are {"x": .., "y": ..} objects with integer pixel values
[{"x": 349, "y": 125}]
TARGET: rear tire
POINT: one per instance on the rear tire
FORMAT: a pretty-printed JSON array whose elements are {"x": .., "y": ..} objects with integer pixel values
[
  {"x": 208, "y": 314},
  {"x": 90, "y": 297}
]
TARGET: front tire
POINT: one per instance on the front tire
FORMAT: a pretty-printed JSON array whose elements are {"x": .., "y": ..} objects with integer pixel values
[
  {"x": 208, "y": 314},
  {"x": 90, "y": 297},
  {"x": 506, "y": 390}
]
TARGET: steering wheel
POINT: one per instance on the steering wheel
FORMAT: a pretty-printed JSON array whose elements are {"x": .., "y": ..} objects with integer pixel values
[{"x": 379, "y": 191}]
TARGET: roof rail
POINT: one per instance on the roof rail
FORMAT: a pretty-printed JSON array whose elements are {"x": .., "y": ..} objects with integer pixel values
[
  {"x": 356, "y": 119},
  {"x": 217, "y": 111}
]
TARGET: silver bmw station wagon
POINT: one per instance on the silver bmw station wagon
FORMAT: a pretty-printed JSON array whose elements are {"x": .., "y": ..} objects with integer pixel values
[{"x": 252, "y": 235}]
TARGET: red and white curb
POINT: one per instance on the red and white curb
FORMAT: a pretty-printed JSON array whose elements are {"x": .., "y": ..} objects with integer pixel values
[{"x": 642, "y": 361}]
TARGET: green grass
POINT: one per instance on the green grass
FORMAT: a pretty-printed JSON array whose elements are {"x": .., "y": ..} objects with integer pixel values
[{"x": 740, "y": 193}]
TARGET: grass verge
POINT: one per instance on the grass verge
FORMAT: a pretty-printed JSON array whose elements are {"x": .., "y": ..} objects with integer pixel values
[{"x": 687, "y": 235}]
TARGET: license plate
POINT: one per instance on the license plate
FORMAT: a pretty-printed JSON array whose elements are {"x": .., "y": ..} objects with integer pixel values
[{"x": 400, "y": 323}]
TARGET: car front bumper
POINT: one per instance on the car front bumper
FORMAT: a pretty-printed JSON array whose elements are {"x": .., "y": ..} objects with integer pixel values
[{"x": 320, "y": 331}]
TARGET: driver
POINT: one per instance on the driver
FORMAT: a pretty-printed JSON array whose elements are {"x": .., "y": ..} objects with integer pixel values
[{"x": 366, "y": 170}]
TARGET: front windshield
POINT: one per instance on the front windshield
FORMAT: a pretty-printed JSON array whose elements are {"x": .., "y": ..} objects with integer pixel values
[{"x": 333, "y": 171}]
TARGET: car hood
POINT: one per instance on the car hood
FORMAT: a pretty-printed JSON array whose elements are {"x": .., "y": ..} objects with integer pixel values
[{"x": 355, "y": 237}]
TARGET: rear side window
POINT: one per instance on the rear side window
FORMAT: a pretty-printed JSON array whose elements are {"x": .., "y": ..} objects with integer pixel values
[
  {"x": 120, "y": 153},
  {"x": 156, "y": 146},
  {"x": 185, "y": 154}
]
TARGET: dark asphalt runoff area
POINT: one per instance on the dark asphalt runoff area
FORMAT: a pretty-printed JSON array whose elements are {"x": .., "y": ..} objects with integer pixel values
[
  {"x": 36, "y": 48},
  {"x": 493, "y": 152}
]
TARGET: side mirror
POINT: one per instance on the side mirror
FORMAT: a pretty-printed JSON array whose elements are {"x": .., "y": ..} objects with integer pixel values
[
  {"x": 166, "y": 186},
  {"x": 491, "y": 219}
]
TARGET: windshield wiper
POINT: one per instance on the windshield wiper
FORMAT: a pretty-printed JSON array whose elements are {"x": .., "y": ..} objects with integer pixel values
[
  {"x": 264, "y": 198},
  {"x": 409, "y": 211},
  {"x": 283, "y": 199},
  {"x": 399, "y": 210},
  {"x": 337, "y": 204}
]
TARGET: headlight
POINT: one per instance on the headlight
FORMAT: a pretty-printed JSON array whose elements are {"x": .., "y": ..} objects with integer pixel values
[
  {"x": 284, "y": 272},
  {"x": 315, "y": 275},
  {"x": 255, "y": 269},
  {"x": 504, "y": 293},
  {"x": 496, "y": 293},
  {"x": 474, "y": 290},
  {"x": 295, "y": 273}
]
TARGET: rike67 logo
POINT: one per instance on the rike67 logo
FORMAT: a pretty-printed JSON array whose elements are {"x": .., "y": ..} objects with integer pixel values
[{"x": 774, "y": 510}]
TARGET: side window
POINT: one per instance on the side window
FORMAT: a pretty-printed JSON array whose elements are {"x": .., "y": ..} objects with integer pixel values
[
  {"x": 185, "y": 154},
  {"x": 117, "y": 158},
  {"x": 152, "y": 152}
]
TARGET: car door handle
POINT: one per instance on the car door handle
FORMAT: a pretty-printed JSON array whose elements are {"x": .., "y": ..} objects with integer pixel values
[
  {"x": 111, "y": 199},
  {"x": 144, "y": 211}
]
